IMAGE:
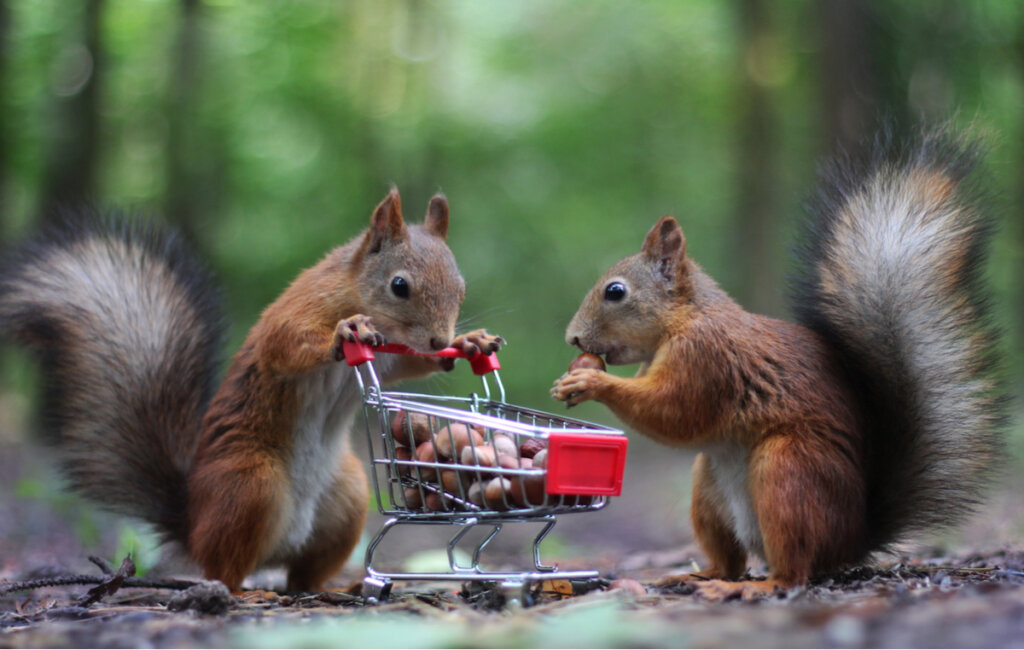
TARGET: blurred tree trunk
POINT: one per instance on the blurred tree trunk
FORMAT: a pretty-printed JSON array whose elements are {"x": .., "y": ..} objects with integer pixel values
[
  {"x": 5, "y": 139},
  {"x": 758, "y": 285},
  {"x": 1016, "y": 227},
  {"x": 5, "y": 144},
  {"x": 186, "y": 186},
  {"x": 849, "y": 88},
  {"x": 72, "y": 168}
]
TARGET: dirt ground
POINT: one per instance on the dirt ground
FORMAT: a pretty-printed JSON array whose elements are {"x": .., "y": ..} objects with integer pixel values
[
  {"x": 960, "y": 591},
  {"x": 965, "y": 601}
]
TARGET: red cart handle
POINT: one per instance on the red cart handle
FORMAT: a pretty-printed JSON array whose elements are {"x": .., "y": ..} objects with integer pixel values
[{"x": 358, "y": 353}]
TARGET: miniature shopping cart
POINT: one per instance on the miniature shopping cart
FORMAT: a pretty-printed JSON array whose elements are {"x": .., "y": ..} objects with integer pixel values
[{"x": 478, "y": 461}]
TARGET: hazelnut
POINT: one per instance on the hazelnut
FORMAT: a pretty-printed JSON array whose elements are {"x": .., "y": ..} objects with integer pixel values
[
  {"x": 418, "y": 424},
  {"x": 587, "y": 360},
  {"x": 531, "y": 447},
  {"x": 451, "y": 440}
]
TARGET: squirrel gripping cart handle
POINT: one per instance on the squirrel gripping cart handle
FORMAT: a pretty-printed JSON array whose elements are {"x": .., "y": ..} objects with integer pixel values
[
  {"x": 478, "y": 461},
  {"x": 359, "y": 353}
]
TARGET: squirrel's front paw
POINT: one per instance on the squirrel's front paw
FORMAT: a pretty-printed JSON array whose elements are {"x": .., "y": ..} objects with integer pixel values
[
  {"x": 477, "y": 341},
  {"x": 357, "y": 328},
  {"x": 472, "y": 344},
  {"x": 578, "y": 385}
]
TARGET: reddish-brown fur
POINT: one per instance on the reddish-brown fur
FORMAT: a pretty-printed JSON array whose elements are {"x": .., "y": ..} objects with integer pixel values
[
  {"x": 236, "y": 505},
  {"x": 239, "y": 486},
  {"x": 877, "y": 417},
  {"x": 714, "y": 374}
]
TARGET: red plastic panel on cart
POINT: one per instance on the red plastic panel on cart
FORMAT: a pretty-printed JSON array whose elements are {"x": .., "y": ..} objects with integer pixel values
[
  {"x": 585, "y": 464},
  {"x": 484, "y": 363},
  {"x": 357, "y": 353}
]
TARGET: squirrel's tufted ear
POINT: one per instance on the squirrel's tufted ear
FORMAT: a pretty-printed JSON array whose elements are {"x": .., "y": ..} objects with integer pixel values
[
  {"x": 436, "y": 222},
  {"x": 666, "y": 245},
  {"x": 386, "y": 224}
]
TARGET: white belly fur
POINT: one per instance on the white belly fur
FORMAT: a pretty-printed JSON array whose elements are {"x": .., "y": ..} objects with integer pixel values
[
  {"x": 728, "y": 464},
  {"x": 329, "y": 400}
]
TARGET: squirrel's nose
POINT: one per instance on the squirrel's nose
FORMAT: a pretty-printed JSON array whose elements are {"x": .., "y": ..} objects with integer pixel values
[
  {"x": 575, "y": 341},
  {"x": 438, "y": 344}
]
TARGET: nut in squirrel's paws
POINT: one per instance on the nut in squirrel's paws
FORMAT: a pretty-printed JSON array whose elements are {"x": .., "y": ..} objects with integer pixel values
[
  {"x": 587, "y": 360},
  {"x": 578, "y": 385},
  {"x": 572, "y": 386}
]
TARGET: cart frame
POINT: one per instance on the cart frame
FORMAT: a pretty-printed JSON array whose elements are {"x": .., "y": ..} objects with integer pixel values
[{"x": 584, "y": 468}]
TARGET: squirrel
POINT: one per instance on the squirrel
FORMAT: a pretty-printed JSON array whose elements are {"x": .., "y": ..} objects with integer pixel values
[
  {"x": 877, "y": 415},
  {"x": 127, "y": 323}
]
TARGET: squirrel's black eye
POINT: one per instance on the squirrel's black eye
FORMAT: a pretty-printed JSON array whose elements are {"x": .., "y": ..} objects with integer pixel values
[
  {"x": 615, "y": 292},
  {"x": 399, "y": 287}
]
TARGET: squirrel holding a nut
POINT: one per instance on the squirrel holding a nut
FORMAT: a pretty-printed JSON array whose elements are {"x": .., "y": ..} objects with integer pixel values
[
  {"x": 127, "y": 325},
  {"x": 820, "y": 442}
]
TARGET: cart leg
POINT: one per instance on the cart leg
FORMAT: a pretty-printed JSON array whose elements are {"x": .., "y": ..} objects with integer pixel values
[
  {"x": 371, "y": 548},
  {"x": 536, "y": 546},
  {"x": 480, "y": 547},
  {"x": 454, "y": 542},
  {"x": 376, "y": 590}
]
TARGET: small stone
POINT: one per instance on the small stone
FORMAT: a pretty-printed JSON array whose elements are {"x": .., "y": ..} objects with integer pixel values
[{"x": 210, "y": 597}]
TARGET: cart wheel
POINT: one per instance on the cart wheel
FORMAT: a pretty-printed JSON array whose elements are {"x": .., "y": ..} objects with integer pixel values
[{"x": 376, "y": 590}]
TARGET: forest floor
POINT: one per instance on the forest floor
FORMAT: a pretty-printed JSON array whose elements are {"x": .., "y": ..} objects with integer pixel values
[
  {"x": 963, "y": 601},
  {"x": 966, "y": 592}
]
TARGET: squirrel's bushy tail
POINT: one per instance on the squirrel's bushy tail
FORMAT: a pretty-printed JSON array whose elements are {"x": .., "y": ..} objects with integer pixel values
[
  {"x": 128, "y": 327},
  {"x": 891, "y": 277}
]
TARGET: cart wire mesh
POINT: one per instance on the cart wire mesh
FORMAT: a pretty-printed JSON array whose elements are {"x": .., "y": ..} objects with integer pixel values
[{"x": 478, "y": 461}]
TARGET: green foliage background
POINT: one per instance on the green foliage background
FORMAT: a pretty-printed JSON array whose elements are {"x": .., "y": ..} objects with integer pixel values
[{"x": 559, "y": 130}]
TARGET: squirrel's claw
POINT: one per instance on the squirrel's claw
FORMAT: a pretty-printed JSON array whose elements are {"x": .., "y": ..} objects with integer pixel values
[
  {"x": 359, "y": 328},
  {"x": 477, "y": 341}
]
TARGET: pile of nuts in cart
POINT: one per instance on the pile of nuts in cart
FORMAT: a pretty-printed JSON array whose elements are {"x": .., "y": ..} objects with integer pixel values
[{"x": 485, "y": 472}]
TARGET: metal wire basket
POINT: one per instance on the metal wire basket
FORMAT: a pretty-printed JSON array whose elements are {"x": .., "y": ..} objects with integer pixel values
[{"x": 478, "y": 461}]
